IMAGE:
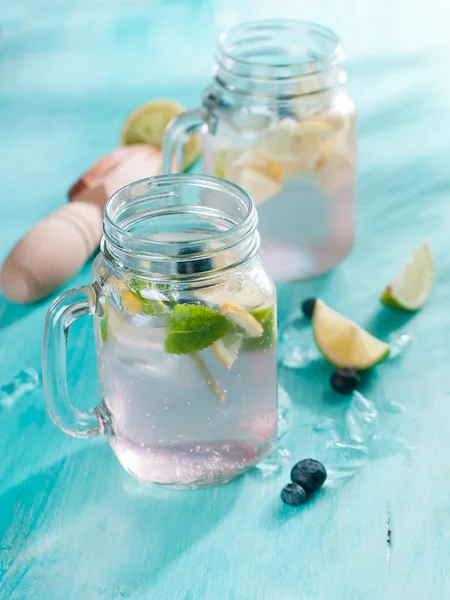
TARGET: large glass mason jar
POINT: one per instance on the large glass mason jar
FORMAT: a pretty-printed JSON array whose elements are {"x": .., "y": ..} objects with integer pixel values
[
  {"x": 185, "y": 328},
  {"x": 278, "y": 121}
]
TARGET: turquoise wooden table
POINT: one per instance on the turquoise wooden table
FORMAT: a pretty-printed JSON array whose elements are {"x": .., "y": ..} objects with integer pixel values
[{"x": 74, "y": 525}]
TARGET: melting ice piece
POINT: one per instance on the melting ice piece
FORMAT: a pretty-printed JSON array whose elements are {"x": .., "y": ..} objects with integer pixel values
[
  {"x": 23, "y": 383},
  {"x": 343, "y": 460},
  {"x": 328, "y": 427},
  {"x": 381, "y": 446},
  {"x": 361, "y": 419},
  {"x": 399, "y": 342},
  {"x": 325, "y": 425},
  {"x": 297, "y": 349},
  {"x": 273, "y": 463},
  {"x": 284, "y": 411}
]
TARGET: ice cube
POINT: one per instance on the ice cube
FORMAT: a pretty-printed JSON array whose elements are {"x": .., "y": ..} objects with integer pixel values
[
  {"x": 361, "y": 419},
  {"x": 23, "y": 383}
]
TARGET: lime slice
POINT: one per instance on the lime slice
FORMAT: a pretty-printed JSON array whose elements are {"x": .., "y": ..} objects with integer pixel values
[
  {"x": 344, "y": 343},
  {"x": 412, "y": 286},
  {"x": 227, "y": 348},
  {"x": 242, "y": 319},
  {"x": 266, "y": 317},
  {"x": 147, "y": 124},
  {"x": 260, "y": 187}
]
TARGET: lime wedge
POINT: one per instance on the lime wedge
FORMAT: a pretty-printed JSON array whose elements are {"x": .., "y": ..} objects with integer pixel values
[
  {"x": 266, "y": 317},
  {"x": 147, "y": 124},
  {"x": 227, "y": 348},
  {"x": 242, "y": 319},
  {"x": 344, "y": 343},
  {"x": 412, "y": 286}
]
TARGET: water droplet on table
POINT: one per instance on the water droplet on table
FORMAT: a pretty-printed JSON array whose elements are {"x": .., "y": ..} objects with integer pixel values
[
  {"x": 399, "y": 342},
  {"x": 328, "y": 427},
  {"x": 381, "y": 446},
  {"x": 273, "y": 463},
  {"x": 23, "y": 383},
  {"x": 361, "y": 419},
  {"x": 394, "y": 407},
  {"x": 325, "y": 425}
]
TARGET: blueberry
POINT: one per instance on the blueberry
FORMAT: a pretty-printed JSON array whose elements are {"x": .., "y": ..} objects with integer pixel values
[
  {"x": 293, "y": 494},
  {"x": 308, "y": 307},
  {"x": 197, "y": 265},
  {"x": 310, "y": 474},
  {"x": 344, "y": 381}
]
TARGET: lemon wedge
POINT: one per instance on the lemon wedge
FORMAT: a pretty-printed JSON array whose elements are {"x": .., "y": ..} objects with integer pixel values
[
  {"x": 242, "y": 318},
  {"x": 295, "y": 147},
  {"x": 248, "y": 297},
  {"x": 227, "y": 348},
  {"x": 147, "y": 125},
  {"x": 344, "y": 343},
  {"x": 131, "y": 304},
  {"x": 260, "y": 187},
  {"x": 412, "y": 286}
]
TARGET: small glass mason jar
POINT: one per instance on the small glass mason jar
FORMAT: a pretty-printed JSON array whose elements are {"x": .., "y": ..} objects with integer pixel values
[
  {"x": 278, "y": 121},
  {"x": 185, "y": 331}
]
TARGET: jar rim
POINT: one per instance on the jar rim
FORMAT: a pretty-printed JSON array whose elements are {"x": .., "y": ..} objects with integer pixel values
[
  {"x": 293, "y": 54},
  {"x": 133, "y": 249}
]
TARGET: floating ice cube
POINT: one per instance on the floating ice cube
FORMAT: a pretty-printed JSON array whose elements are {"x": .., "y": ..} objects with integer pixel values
[
  {"x": 361, "y": 419},
  {"x": 23, "y": 383}
]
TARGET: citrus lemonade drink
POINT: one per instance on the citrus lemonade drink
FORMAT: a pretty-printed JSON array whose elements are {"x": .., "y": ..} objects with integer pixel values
[
  {"x": 301, "y": 174},
  {"x": 186, "y": 379}
]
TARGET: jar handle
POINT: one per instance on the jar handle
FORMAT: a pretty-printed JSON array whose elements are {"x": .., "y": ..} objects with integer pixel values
[
  {"x": 64, "y": 311},
  {"x": 178, "y": 132}
]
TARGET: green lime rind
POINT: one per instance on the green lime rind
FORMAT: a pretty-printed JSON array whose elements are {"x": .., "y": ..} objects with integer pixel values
[
  {"x": 192, "y": 328},
  {"x": 412, "y": 286},
  {"x": 104, "y": 329},
  {"x": 388, "y": 300},
  {"x": 266, "y": 317}
]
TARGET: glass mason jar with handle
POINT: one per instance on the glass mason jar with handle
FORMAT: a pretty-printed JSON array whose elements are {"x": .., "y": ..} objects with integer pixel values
[
  {"x": 278, "y": 121},
  {"x": 185, "y": 332}
]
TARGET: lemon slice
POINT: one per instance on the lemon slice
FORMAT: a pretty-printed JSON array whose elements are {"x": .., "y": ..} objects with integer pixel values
[
  {"x": 344, "y": 343},
  {"x": 227, "y": 348},
  {"x": 243, "y": 319},
  {"x": 248, "y": 297},
  {"x": 260, "y": 187},
  {"x": 147, "y": 125},
  {"x": 295, "y": 147},
  {"x": 412, "y": 286},
  {"x": 131, "y": 304}
]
